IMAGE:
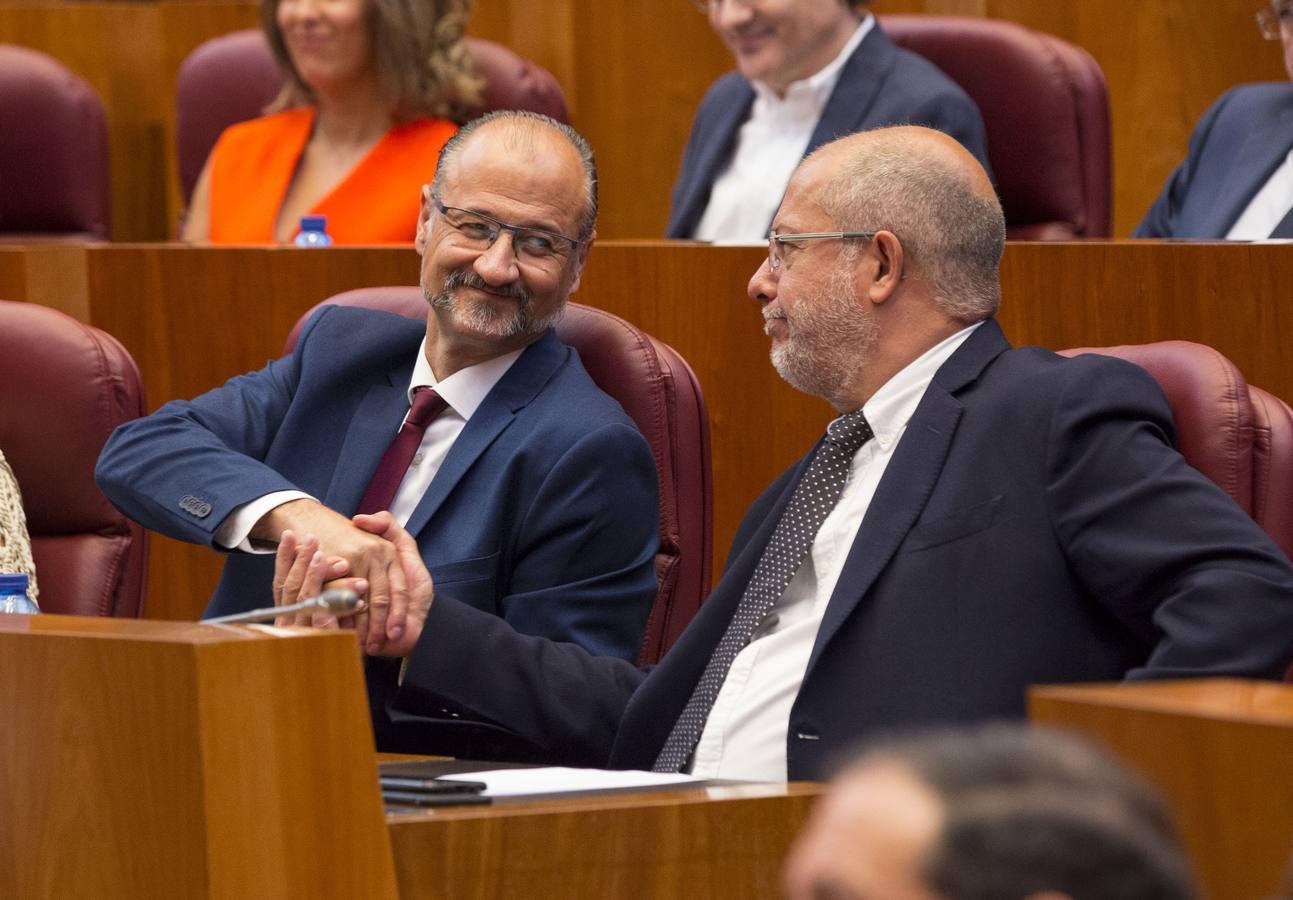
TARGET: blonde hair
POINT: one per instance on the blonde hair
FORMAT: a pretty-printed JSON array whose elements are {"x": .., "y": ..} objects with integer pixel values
[{"x": 418, "y": 50}]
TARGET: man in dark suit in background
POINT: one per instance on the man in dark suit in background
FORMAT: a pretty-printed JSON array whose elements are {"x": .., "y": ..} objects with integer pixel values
[
  {"x": 978, "y": 519},
  {"x": 531, "y": 494},
  {"x": 1237, "y": 181},
  {"x": 808, "y": 72}
]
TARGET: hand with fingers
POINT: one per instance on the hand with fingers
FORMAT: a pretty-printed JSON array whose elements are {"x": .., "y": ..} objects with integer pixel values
[
  {"x": 300, "y": 571},
  {"x": 370, "y": 560},
  {"x": 394, "y": 631}
]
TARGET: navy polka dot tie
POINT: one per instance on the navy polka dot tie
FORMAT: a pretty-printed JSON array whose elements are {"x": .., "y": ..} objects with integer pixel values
[{"x": 815, "y": 496}]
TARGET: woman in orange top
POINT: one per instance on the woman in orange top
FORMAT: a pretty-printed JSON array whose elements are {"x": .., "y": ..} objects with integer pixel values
[{"x": 373, "y": 89}]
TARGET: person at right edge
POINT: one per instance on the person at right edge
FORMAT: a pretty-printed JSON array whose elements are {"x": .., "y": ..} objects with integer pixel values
[
  {"x": 978, "y": 519},
  {"x": 1237, "y": 181}
]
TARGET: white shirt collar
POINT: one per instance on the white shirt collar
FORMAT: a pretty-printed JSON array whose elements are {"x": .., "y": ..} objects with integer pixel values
[
  {"x": 818, "y": 86},
  {"x": 891, "y": 407},
  {"x": 467, "y": 388}
]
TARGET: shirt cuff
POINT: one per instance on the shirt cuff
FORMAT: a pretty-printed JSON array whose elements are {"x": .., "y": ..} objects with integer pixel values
[{"x": 235, "y": 531}]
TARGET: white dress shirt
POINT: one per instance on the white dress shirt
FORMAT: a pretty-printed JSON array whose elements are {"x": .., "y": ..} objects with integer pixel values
[
  {"x": 769, "y": 145},
  {"x": 1268, "y": 207},
  {"x": 463, "y": 391},
  {"x": 745, "y": 735}
]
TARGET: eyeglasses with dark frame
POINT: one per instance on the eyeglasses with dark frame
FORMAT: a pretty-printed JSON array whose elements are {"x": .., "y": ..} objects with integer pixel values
[
  {"x": 530, "y": 245},
  {"x": 775, "y": 255},
  {"x": 1273, "y": 17}
]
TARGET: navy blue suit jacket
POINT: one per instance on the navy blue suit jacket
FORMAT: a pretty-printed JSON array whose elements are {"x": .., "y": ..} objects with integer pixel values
[
  {"x": 544, "y": 512},
  {"x": 1234, "y": 149},
  {"x": 880, "y": 84},
  {"x": 1034, "y": 525}
]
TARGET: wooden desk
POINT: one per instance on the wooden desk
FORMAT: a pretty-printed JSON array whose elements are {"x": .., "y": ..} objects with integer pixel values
[
  {"x": 158, "y": 759},
  {"x": 1221, "y": 750},
  {"x": 717, "y": 842},
  {"x": 193, "y": 317}
]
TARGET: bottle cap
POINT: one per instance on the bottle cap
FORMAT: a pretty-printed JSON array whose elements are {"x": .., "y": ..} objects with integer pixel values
[{"x": 314, "y": 223}]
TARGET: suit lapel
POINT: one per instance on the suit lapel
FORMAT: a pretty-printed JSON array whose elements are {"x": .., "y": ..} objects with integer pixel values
[
  {"x": 369, "y": 433},
  {"x": 909, "y": 479},
  {"x": 1262, "y": 150},
  {"x": 861, "y": 79},
  {"x": 518, "y": 386},
  {"x": 714, "y": 156}
]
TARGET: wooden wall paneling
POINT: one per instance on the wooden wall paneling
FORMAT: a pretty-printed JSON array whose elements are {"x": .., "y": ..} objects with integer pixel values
[
  {"x": 1229, "y": 296},
  {"x": 641, "y": 70},
  {"x": 541, "y": 32},
  {"x": 48, "y": 274}
]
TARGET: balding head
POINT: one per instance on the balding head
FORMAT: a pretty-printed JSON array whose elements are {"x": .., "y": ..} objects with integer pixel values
[
  {"x": 928, "y": 190},
  {"x": 526, "y": 135}
]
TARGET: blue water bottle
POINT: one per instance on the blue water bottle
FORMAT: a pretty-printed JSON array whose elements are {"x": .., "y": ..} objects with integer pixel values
[
  {"x": 13, "y": 595},
  {"x": 314, "y": 232}
]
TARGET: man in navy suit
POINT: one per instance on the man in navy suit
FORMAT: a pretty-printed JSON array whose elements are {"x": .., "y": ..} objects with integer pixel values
[
  {"x": 1237, "y": 181},
  {"x": 532, "y": 496},
  {"x": 808, "y": 72},
  {"x": 1012, "y": 517}
]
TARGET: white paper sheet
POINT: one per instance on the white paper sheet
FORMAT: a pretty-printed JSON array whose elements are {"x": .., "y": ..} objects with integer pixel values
[{"x": 559, "y": 780}]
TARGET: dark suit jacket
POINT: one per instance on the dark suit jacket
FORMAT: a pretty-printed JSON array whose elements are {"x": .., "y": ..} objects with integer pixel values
[
  {"x": 1034, "y": 525},
  {"x": 543, "y": 517},
  {"x": 1234, "y": 149},
  {"x": 880, "y": 84}
]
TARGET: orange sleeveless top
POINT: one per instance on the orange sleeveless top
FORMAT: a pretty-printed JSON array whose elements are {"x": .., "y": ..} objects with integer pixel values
[{"x": 377, "y": 203}]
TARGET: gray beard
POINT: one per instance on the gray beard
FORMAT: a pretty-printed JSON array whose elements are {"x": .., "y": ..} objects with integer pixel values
[
  {"x": 484, "y": 318},
  {"x": 832, "y": 341}
]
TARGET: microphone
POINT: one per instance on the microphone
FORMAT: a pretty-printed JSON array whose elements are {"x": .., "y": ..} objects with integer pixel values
[{"x": 341, "y": 600}]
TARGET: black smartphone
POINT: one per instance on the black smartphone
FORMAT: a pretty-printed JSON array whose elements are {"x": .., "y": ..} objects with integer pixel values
[
  {"x": 430, "y": 785},
  {"x": 424, "y": 798}
]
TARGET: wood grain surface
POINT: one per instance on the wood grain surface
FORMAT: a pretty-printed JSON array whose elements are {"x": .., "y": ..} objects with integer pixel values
[{"x": 1219, "y": 750}]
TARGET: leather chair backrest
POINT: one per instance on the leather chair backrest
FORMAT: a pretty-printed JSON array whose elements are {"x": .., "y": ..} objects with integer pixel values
[
  {"x": 1046, "y": 110},
  {"x": 54, "y": 181},
  {"x": 67, "y": 385},
  {"x": 1211, "y": 406},
  {"x": 1273, "y": 467},
  {"x": 660, "y": 393},
  {"x": 233, "y": 77}
]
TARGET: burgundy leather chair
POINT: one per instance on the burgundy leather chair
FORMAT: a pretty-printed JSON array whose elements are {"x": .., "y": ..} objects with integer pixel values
[
  {"x": 659, "y": 391},
  {"x": 1046, "y": 110},
  {"x": 66, "y": 385},
  {"x": 53, "y": 152},
  {"x": 233, "y": 77},
  {"x": 1240, "y": 436}
]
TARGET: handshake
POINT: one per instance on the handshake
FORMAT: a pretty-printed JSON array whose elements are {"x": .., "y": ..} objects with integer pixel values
[{"x": 375, "y": 558}]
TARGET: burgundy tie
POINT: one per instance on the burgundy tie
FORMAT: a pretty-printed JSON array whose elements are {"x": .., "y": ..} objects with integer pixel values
[{"x": 395, "y": 462}]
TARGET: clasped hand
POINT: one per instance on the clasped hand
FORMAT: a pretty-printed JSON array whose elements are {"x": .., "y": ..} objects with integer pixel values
[{"x": 389, "y": 623}]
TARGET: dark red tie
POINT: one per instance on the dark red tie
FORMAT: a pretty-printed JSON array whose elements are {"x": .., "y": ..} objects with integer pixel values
[{"x": 395, "y": 462}]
